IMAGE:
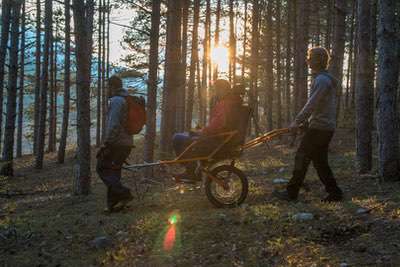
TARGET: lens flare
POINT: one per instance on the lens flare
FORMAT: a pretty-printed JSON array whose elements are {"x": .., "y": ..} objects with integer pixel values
[
  {"x": 171, "y": 233},
  {"x": 173, "y": 219}
]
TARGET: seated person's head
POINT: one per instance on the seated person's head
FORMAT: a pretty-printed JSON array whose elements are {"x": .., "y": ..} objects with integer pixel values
[
  {"x": 239, "y": 89},
  {"x": 114, "y": 85},
  {"x": 222, "y": 88}
]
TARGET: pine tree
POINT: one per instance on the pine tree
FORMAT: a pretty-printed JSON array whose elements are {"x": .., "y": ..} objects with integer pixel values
[
  {"x": 194, "y": 58},
  {"x": 172, "y": 69},
  {"x": 8, "y": 147},
  {"x": 83, "y": 12},
  {"x": 151, "y": 110},
  {"x": 67, "y": 83},
  {"x": 21, "y": 83},
  {"x": 48, "y": 21},
  {"x": 5, "y": 32},
  {"x": 364, "y": 89},
  {"x": 387, "y": 80}
]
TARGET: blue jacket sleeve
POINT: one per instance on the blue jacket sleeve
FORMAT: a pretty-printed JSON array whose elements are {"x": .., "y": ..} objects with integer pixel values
[
  {"x": 114, "y": 124},
  {"x": 319, "y": 90}
]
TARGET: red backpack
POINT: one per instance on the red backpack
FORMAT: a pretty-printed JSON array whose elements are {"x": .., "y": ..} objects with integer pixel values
[{"x": 136, "y": 118}]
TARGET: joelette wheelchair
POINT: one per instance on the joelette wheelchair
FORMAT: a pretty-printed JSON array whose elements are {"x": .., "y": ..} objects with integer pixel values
[{"x": 225, "y": 185}]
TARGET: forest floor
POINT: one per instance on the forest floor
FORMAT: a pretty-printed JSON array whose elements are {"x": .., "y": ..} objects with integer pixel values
[{"x": 42, "y": 224}]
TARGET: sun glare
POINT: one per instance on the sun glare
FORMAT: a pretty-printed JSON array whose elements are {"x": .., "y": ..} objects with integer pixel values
[{"x": 220, "y": 57}]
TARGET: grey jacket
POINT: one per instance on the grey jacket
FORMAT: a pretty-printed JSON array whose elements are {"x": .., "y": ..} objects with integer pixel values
[
  {"x": 115, "y": 133},
  {"x": 320, "y": 109}
]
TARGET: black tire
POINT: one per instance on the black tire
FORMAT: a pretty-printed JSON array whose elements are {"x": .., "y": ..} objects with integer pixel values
[{"x": 212, "y": 187}]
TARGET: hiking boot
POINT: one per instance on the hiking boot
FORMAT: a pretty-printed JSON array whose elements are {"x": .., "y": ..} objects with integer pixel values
[
  {"x": 283, "y": 195},
  {"x": 334, "y": 197},
  {"x": 117, "y": 199}
]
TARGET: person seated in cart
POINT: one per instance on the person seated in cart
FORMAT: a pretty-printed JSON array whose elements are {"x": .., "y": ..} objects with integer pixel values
[{"x": 221, "y": 120}]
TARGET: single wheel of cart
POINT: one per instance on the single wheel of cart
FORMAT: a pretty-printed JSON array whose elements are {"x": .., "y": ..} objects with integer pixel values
[{"x": 229, "y": 189}]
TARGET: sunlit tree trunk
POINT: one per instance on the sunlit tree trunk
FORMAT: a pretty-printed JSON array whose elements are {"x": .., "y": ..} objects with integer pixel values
[
  {"x": 244, "y": 39},
  {"x": 388, "y": 77},
  {"x": 194, "y": 58},
  {"x": 205, "y": 66},
  {"x": 232, "y": 44},
  {"x": 216, "y": 36},
  {"x": 67, "y": 78},
  {"x": 21, "y": 84},
  {"x": 8, "y": 147},
  {"x": 83, "y": 12}
]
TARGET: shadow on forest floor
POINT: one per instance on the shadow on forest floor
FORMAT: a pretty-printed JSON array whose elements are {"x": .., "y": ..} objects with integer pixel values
[{"x": 42, "y": 224}]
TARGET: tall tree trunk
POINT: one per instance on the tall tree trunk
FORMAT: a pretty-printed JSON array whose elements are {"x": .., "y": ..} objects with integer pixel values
[
  {"x": 339, "y": 37},
  {"x": 354, "y": 63},
  {"x": 388, "y": 77},
  {"x": 269, "y": 69},
  {"x": 302, "y": 24},
  {"x": 8, "y": 147},
  {"x": 364, "y": 89},
  {"x": 67, "y": 78},
  {"x": 350, "y": 54},
  {"x": 181, "y": 92},
  {"x": 244, "y": 39},
  {"x": 216, "y": 36},
  {"x": 104, "y": 59},
  {"x": 55, "y": 110},
  {"x": 5, "y": 32},
  {"x": 53, "y": 94},
  {"x": 51, "y": 148},
  {"x": 151, "y": 111},
  {"x": 279, "y": 88},
  {"x": 254, "y": 61},
  {"x": 329, "y": 18},
  {"x": 317, "y": 7},
  {"x": 232, "y": 44},
  {"x": 99, "y": 75},
  {"x": 194, "y": 58},
  {"x": 108, "y": 39},
  {"x": 38, "y": 42},
  {"x": 21, "y": 84},
  {"x": 205, "y": 66},
  {"x": 288, "y": 63},
  {"x": 83, "y": 12},
  {"x": 48, "y": 21},
  {"x": 172, "y": 67}
]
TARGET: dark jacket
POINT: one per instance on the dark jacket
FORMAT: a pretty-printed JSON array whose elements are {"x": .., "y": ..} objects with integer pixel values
[{"x": 116, "y": 134}]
